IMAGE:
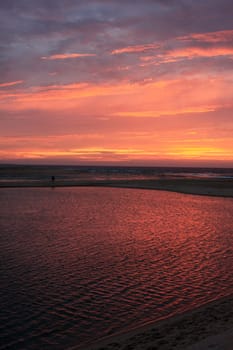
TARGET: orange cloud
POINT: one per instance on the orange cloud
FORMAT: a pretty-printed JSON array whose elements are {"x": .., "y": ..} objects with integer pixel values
[
  {"x": 201, "y": 152},
  {"x": 157, "y": 113},
  {"x": 174, "y": 152},
  {"x": 82, "y": 153},
  {"x": 180, "y": 96},
  {"x": 12, "y": 83},
  {"x": 157, "y": 144},
  {"x": 65, "y": 56},
  {"x": 78, "y": 109}
]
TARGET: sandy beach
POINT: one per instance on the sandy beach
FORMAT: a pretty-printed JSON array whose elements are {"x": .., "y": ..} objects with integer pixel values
[
  {"x": 210, "y": 182},
  {"x": 207, "y": 327},
  {"x": 209, "y": 187}
]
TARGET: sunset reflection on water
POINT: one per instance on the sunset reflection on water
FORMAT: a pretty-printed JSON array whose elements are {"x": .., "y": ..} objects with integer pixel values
[{"x": 82, "y": 263}]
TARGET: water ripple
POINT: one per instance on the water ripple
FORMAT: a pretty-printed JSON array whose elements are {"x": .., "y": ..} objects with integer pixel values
[{"x": 79, "y": 264}]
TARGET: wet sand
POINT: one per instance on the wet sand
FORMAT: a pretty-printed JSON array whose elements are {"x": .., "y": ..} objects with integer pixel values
[
  {"x": 208, "y": 327},
  {"x": 209, "y": 187}
]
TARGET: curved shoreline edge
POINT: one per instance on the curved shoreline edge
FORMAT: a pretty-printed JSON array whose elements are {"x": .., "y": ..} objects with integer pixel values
[
  {"x": 208, "y": 326},
  {"x": 207, "y": 187}
]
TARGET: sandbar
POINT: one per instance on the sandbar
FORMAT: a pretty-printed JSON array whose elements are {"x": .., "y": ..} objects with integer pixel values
[{"x": 208, "y": 187}]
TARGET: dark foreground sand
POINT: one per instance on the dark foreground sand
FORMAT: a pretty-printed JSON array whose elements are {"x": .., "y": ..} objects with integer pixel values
[
  {"x": 208, "y": 327},
  {"x": 209, "y": 187}
]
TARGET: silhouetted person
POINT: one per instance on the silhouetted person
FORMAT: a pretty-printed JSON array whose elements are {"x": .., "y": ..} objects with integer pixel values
[{"x": 53, "y": 178}]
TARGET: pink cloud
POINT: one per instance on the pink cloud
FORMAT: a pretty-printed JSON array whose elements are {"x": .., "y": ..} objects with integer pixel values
[
  {"x": 65, "y": 56},
  {"x": 135, "y": 48},
  {"x": 191, "y": 52},
  {"x": 210, "y": 37},
  {"x": 12, "y": 83}
]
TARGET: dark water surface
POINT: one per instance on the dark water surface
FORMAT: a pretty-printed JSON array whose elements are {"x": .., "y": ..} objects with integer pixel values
[{"x": 78, "y": 264}]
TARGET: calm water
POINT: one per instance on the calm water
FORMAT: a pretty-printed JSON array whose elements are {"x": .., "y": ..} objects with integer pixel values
[{"x": 77, "y": 264}]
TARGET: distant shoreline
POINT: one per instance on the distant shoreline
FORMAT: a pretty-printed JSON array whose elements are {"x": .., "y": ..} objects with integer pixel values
[{"x": 207, "y": 187}]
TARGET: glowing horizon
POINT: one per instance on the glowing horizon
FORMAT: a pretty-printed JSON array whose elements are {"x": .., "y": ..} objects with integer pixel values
[{"x": 141, "y": 88}]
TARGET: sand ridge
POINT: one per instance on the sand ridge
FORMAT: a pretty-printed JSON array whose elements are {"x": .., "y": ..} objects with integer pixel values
[{"x": 209, "y": 187}]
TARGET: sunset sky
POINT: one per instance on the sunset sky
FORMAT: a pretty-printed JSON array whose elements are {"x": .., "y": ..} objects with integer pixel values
[{"x": 116, "y": 82}]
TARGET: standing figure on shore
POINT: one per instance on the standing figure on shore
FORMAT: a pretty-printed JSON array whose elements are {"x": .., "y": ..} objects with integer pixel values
[{"x": 52, "y": 179}]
